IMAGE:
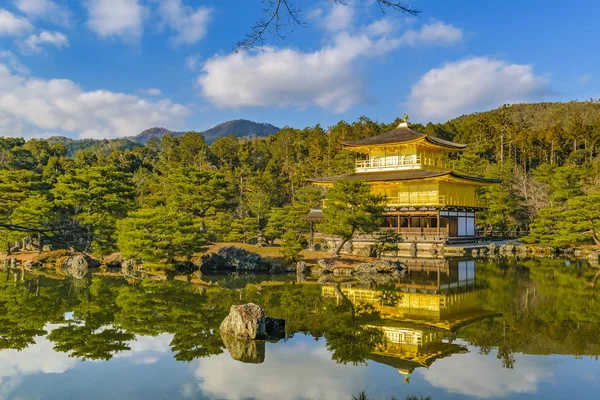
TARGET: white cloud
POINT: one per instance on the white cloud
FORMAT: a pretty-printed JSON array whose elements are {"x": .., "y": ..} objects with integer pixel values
[
  {"x": 329, "y": 78},
  {"x": 31, "y": 106},
  {"x": 116, "y": 18},
  {"x": 474, "y": 84},
  {"x": 32, "y": 43},
  {"x": 483, "y": 376},
  {"x": 381, "y": 27},
  {"x": 435, "y": 33},
  {"x": 221, "y": 377},
  {"x": 9, "y": 58},
  {"x": 189, "y": 24},
  {"x": 151, "y": 92},
  {"x": 145, "y": 350},
  {"x": 192, "y": 62},
  {"x": 12, "y": 25},
  {"x": 339, "y": 18},
  {"x": 325, "y": 78},
  {"x": 45, "y": 9}
]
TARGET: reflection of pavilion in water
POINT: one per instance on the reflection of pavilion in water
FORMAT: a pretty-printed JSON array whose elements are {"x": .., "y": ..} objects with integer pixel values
[{"x": 421, "y": 311}]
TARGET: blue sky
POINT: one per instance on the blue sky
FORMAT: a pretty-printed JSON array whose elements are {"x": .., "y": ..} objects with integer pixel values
[{"x": 111, "y": 68}]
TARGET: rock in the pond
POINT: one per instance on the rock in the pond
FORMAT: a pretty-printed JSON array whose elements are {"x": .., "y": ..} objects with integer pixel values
[
  {"x": 301, "y": 271},
  {"x": 275, "y": 327},
  {"x": 214, "y": 262},
  {"x": 243, "y": 260},
  {"x": 30, "y": 264},
  {"x": 325, "y": 267},
  {"x": 77, "y": 266},
  {"x": 46, "y": 248},
  {"x": 378, "y": 267},
  {"x": 276, "y": 269},
  {"x": 413, "y": 249},
  {"x": 246, "y": 351},
  {"x": 381, "y": 272},
  {"x": 246, "y": 322},
  {"x": 232, "y": 258}
]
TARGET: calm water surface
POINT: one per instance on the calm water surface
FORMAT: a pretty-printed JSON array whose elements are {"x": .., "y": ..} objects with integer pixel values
[{"x": 449, "y": 329}]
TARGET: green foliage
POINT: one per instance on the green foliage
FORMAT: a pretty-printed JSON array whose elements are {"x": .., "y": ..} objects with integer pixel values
[
  {"x": 387, "y": 241},
  {"x": 292, "y": 244},
  {"x": 235, "y": 188},
  {"x": 578, "y": 220},
  {"x": 159, "y": 236},
  {"x": 351, "y": 207},
  {"x": 96, "y": 197}
]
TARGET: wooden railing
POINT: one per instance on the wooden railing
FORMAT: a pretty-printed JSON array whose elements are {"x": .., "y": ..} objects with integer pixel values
[
  {"x": 406, "y": 199},
  {"x": 399, "y": 161}
]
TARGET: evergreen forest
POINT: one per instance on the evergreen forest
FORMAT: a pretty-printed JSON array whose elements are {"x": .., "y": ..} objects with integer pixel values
[{"x": 164, "y": 201}]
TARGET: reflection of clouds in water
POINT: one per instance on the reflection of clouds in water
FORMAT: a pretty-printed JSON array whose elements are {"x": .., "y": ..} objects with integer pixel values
[
  {"x": 290, "y": 371},
  {"x": 473, "y": 374},
  {"x": 41, "y": 358},
  {"x": 147, "y": 349},
  {"x": 37, "y": 358}
]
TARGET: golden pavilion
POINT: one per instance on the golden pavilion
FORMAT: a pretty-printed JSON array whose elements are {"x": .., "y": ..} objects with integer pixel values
[{"x": 426, "y": 200}]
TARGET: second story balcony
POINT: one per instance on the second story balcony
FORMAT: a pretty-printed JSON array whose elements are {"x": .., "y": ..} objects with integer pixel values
[{"x": 392, "y": 163}]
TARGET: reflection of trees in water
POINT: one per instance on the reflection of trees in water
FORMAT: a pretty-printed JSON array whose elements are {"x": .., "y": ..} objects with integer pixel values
[
  {"x": 108, "y": 313},
  {"x": 545, "y": 307},
  {"x": 27, "y": 304}
]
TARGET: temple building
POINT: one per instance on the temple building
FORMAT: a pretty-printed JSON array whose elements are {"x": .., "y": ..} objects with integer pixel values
[{"x": 426, "y": 200}]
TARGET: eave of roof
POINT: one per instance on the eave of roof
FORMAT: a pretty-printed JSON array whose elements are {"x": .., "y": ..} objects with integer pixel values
[
  {"x": 417, "y": 174},
  {"x": 402, "y": 134}
]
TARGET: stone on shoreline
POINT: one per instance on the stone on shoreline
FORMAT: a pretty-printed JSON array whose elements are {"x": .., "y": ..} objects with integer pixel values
[
  {"x": 77, "y": 266},
  {"x": 232, "y": 258}
]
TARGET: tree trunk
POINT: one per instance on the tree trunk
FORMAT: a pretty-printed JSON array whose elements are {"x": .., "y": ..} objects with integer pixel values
[
  {"x": 339, "y": 248},
  {"x": 595, "y": 279},
  {"x": 595, "y": 237}
]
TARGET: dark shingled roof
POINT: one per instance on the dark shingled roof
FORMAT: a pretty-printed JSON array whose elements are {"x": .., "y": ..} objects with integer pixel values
[
  {"x": 314, "y": 215},
  {"x": 402, "y": 134},
  {"x": 406, "y": 175}
]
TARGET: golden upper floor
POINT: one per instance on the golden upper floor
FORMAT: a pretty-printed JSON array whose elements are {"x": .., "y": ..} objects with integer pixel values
[{"x": 400, "y": 149}]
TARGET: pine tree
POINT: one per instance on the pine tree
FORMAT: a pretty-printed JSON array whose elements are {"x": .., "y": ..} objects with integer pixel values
[
  {"x": 96, "y": 197},
  {"x": 580, "y": 221},
  {"x": 349, "y": 208},
  {"x": 159, "y": 236}
]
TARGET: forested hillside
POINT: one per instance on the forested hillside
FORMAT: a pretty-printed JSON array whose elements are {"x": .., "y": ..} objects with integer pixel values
[
  {"x": 163, "y": 201},
  {"x": 104, "y": 147},
  {"x": 241, "y": 128}
]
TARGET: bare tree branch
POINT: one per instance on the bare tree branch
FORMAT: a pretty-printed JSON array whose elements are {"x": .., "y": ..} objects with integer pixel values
[{"x": 284, "y": 13}]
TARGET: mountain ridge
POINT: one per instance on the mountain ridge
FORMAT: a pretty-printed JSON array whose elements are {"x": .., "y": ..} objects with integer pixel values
[{"x": 241, "y": 128}]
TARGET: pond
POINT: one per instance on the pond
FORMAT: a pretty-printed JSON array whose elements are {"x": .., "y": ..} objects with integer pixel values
[{"x": 448, "y": 329}]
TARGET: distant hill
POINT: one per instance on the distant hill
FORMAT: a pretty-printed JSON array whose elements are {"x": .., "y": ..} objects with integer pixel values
[
  {"x": 241, "y": 128},
  {"x": 104, "y": 146},
  {"x": 153, "y": 133}
]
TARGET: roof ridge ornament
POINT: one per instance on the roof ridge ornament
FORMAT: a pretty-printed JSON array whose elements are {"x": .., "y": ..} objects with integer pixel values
[{"x": 404, "y": 122}]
